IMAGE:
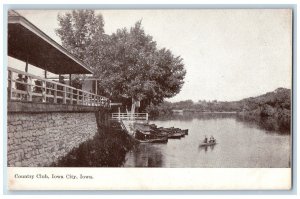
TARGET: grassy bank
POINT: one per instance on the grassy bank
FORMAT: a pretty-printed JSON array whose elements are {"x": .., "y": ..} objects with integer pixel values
[
  {"x": 270, "y": 123},
  {"x": 107, "y": 149},
  {"x": 272, "y": 109}
]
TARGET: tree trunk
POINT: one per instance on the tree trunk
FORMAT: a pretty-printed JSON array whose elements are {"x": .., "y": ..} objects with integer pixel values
[{"x": 133, "y": 106}]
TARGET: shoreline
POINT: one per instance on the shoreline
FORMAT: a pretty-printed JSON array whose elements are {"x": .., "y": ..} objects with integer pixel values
[
  {"x": 107, "y": 148},
  {"x": 226, "y": 112}
]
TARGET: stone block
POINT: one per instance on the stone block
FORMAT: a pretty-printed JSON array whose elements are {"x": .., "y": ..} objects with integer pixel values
[
  {"x": 18, "y": 135},
  {"x": 28, "y": 155},
  {"x": 51, "y": 135},
  {"x": 10, "y": 157}
]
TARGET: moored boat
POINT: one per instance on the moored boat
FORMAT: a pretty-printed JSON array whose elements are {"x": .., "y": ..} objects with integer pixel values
[
  {"x": 148, "y": 137},
  {"x": 186, "y": 131},
  {"x": 175, "y": 135},
  {"x": 152, "y": 134},
  {"x": 155, "y": 140}
]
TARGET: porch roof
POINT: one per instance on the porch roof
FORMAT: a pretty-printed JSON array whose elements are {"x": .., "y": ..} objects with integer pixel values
[{"x": 28, "y": 43}]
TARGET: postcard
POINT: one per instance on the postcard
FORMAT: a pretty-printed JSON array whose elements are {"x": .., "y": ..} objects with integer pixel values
[{"x": 149, "y": 99}]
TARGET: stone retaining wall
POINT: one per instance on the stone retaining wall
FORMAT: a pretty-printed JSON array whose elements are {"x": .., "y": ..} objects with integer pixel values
[{"x": 39, "y": 139}]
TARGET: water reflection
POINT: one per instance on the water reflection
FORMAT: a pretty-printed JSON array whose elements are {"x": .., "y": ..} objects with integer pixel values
[
  {"x": 187, "y": 116},
  {"x": 206, "y": 148},
  {"x": 267, "y": 123},
  {"x": 147, "y": 155},
  {"x": 271, "y": 125},
  {"x": 241, "y": 143}
]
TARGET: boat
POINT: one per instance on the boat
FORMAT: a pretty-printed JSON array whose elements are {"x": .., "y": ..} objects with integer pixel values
[
  {"x": 148, "y": 137},
  {"x": 185, "y": 131},
  {"x": 153, "y": 126},
  {"x": 152, "y": 134},
  {"x": 155, "y": 140},
  {"x": 208, "y": 143},
  {"x": 175, "y": 135}
]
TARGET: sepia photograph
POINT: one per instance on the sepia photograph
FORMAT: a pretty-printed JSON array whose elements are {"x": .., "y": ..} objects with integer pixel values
[{"x": 149, "y": 88}]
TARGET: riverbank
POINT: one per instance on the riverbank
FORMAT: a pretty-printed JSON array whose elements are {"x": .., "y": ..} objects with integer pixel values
[
  {"x": 107, "y": 149},
  {"x": 272, "y": 108},
  {"x": 279, "y": 120},
  {"x": 280, "y": 96}
]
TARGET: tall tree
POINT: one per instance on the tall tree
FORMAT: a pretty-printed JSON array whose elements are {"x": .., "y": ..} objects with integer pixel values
[
  {"x": 127, "y": 63},
  {"x": 78, "y": 30}
]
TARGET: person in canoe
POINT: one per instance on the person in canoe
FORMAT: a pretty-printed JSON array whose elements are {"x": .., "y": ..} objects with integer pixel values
[
  {"x": 205, "y": 139},
  {"x": 212, "y": 139}
]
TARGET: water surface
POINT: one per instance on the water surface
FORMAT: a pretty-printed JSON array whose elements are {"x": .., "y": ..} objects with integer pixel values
[{"x": 240, "y": 144}]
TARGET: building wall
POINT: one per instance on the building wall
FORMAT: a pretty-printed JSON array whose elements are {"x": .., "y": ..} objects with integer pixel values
[{"x": 39, "y": 139}]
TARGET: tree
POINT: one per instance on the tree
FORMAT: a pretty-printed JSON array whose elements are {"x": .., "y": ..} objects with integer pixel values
[
  {"x": 143, "y": 72},
  {"x": 77, "y": 31},
  {"x": 127, "y": 63}
]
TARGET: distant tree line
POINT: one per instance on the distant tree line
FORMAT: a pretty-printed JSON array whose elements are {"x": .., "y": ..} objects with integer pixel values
[
  {"x": 276, "y": 104},
  {"x": 190, "y": 106}
]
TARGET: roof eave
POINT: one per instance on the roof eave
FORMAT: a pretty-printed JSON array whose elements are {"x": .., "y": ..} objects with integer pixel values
[{"x": 24, "y": 22}]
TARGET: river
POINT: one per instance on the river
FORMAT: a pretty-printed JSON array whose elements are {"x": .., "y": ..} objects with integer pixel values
[{"x": 240, "y": 144}]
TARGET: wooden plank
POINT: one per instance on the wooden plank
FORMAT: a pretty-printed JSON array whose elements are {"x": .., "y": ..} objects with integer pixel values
[
  {"x": 55, "y": 93},
  {"x": 96, "y": 87},
  {"x": 10, "y": 82},
  {"x": 29, "y": 88},
  {"x": 44, "y": 91},
  {"x": 77, "y": 96},
  {"x": 71, "y": 96},
  {"x": 64, "y": 95},
  {"x": 18, "y": 91},
  {"x": 50, "y": 96}
]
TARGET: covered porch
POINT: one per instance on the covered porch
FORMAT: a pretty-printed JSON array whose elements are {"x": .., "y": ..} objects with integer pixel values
[{"x": 29, "y": 44}]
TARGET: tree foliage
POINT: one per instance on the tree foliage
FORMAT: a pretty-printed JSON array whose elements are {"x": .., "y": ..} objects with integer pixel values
[
  {"x": 127, "y": 63},
  {"x": 273, "y": 103},
  {"x": 77, "y": 31}
]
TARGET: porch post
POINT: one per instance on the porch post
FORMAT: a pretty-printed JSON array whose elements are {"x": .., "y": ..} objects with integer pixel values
[
  {"x": 70, "y": 78},
  {"x": 96, "y": 88},
  {"x": 64, "y": 95},
  {"x": 29, "y": 88},
  {"x": 44, "y": 90},
  {"x": 26, "y": 66}
]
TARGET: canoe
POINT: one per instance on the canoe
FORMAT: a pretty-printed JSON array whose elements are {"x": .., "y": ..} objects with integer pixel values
[
  {"x": 208, "y": 144},
  {"x": 157, "y": 140}
]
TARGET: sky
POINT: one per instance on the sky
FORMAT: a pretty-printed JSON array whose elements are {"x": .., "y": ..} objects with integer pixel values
[{"x": 228, "y": 54}]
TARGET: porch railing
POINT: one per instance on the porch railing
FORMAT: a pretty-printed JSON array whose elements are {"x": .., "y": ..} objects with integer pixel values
[
  {"x": 36, "y": 89},
  {"x": 129, "y": 116}
]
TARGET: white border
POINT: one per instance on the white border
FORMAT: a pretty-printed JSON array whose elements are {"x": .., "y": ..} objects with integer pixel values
[
  {"x": 145, "y": 2},
  {"x": 149, "y": 179}
]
